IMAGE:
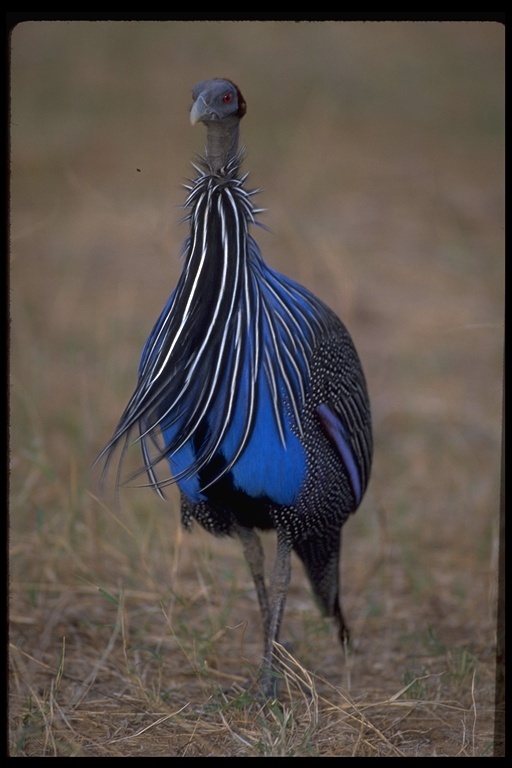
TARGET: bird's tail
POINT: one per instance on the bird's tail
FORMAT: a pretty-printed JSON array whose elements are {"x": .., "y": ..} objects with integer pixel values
[{"x": 320, "y": 558}]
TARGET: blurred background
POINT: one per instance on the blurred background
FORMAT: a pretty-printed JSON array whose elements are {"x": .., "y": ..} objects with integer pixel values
[{"x": 379, "y": 149}]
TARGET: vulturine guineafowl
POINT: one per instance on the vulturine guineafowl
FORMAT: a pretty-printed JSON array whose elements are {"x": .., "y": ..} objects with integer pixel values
[{"x": 251, "y": 389}]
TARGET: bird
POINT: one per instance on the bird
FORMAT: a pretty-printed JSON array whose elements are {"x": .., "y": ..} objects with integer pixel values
[{"x": 250, "y": 391}]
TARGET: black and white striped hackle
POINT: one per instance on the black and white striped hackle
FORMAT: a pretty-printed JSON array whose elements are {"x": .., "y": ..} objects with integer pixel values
[{"x": 251, "y": 390}]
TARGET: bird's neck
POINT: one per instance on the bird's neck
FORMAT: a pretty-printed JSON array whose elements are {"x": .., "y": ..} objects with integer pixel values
[{"x": 221, "y": 143}]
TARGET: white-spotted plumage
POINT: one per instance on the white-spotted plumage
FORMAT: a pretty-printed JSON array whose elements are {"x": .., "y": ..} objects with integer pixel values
[{"x": 250, "y": 390}]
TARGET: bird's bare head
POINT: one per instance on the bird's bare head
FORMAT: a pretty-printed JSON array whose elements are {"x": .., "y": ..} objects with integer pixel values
[
  {"x": 216, "y": 100},
  {"x": 219, "y": 104}
]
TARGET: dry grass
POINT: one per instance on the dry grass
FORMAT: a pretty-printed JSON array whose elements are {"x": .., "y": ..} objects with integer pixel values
[{"x": 380, "y": 148}]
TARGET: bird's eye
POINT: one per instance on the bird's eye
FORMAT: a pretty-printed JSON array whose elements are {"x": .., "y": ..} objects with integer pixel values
[{"x": 227, "y": 98}]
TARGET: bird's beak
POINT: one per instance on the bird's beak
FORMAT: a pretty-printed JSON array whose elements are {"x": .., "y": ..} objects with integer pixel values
[{"x": 199, "y": 110}]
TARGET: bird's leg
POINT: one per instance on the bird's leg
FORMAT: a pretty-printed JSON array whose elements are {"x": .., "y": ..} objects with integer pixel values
[
  {"x": 280, "y": 583},
  {"x": 253, "y": 552}
]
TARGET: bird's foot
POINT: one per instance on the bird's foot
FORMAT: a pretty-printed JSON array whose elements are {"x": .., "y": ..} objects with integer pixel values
[
  {"x": 263, "y": 686},
  {"x": 267, "y": 682}
]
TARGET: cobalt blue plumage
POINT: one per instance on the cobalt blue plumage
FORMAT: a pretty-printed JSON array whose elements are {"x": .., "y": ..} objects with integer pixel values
[{"x": 251, "y": 389}]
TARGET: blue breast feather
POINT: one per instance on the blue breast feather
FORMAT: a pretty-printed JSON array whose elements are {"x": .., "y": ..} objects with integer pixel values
[{"x": 273, "y": 461}]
